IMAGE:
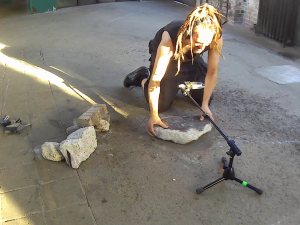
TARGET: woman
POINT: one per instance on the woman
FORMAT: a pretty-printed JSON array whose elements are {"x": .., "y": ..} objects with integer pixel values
[{"x": 176, "y": 52}]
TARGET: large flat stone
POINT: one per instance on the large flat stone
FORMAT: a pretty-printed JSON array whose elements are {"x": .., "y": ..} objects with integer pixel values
[{"x": 182, "y": 129}]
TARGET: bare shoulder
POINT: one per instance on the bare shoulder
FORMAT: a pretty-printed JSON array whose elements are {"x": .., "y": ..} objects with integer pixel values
[
  {"x": 166, "y": 39},
  {"x": 214, "y": 56}
]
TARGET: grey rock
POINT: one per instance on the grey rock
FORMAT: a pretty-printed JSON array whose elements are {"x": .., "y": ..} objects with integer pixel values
[
  {"x": 102, "y": 126},
  {"x": 50, "y": 151},
  {"x": 104, "y": 119},
  {"x": 182, "y": 129},
  {"x": 72, "y": 129},
  {"x": 79, "y": 146},
  {"x": 97, "y": 116}
]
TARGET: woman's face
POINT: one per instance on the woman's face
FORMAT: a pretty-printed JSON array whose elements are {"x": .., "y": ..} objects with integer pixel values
[{"x": 202, "y": 37}]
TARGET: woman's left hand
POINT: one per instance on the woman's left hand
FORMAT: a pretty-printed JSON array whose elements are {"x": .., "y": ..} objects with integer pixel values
[{"x": 207, "y": 111}]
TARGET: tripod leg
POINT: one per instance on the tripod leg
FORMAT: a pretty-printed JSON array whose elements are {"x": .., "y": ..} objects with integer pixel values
[
  {"x": 245, "y": 184},
  {"x": 201, "y": 189}
]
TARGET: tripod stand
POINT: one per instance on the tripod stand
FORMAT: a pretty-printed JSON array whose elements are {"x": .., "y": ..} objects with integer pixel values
[{"x": 234, "y": 150}]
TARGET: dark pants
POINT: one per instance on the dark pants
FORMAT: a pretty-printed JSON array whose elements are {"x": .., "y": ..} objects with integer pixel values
[{"x": 169, "y": 83}]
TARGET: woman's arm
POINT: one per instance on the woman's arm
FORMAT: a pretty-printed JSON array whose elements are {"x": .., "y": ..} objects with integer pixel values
[
  {"x": 163, "y": 56},
  {"x": 211, "y": 76}
]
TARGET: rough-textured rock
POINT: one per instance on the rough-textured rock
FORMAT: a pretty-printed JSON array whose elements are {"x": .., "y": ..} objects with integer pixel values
[
  {"x": 72, "y": 129},
  {"x": 103, "y": 125},
  {"x": 50, "y": 151},
  {"x": 96, "y": 116},
  {"x": 79, "y": 146},
  {"x": 182, "y": 129}
]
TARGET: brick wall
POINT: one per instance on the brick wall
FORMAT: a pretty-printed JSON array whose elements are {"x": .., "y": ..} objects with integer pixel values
[
  {"x": 239, "y": 11},
  {"x": 251, "y": 12}
]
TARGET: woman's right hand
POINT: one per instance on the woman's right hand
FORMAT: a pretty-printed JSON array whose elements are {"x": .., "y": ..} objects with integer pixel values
[{"x": 155, "y": 120}]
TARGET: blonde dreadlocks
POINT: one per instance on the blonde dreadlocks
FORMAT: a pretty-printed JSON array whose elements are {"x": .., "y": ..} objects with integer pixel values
[{"x": 205, "y": 15}]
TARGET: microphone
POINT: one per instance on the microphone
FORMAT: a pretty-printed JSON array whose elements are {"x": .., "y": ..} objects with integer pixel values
[{"x": 187, "y": 86}]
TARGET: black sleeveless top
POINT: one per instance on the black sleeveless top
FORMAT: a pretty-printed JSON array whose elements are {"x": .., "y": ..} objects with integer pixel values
[{"x": 173, "y": 29}]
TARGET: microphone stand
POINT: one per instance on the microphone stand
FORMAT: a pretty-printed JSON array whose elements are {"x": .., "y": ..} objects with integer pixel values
[{"x": 228, "y": 173}]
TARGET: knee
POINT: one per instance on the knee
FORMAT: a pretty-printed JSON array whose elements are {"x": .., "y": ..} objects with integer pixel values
[{"x": 163, "y": 106}]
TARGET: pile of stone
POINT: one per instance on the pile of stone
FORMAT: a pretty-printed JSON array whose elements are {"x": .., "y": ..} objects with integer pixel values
[
  {"x": 81, "y": 141},
  {"x": 96, "y": 116}
]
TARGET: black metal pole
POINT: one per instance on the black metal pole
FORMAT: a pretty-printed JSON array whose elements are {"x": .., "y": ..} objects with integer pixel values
[
  {"x": 233, "y": 151},
  {"x": 231, "y": 143}
]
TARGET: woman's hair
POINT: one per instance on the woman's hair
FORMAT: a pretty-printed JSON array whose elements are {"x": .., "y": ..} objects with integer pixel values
[{"x": 204, "y": 15}]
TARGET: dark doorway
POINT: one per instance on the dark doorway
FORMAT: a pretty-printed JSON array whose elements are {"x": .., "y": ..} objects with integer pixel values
[{"x": 277, "y": 20}]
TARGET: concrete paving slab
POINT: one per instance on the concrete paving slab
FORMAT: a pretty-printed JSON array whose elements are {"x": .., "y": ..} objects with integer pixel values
[
  {"x": 17, "y": 177},
  {"x": 15, "y": 150},
  {"x": 40, "y": 112},
  {"x": 20, "y": 203},
  {"x": 33, "y": 219},
  {"x": 14, "y": 95},
  {"x": 62, "y": 193},
  {"x": 242, "y": 72},
  {"x": 77, "y": 215},
  {"x": 49, "y": 171},
  {"x": 69, "y": 107},
  {"x": 284, "y": 74},
  {"x": 42, "y": 132}
]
